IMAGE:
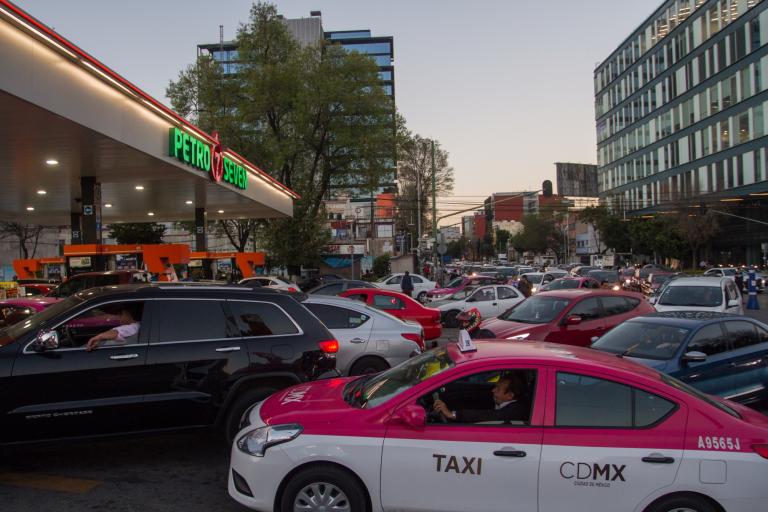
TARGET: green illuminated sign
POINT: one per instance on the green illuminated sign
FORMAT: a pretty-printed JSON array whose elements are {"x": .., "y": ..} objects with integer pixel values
[{"x": 199, "y": 154}]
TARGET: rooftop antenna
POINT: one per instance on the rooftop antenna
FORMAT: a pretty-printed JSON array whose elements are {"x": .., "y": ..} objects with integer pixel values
[{"x": 221, "y": 37}]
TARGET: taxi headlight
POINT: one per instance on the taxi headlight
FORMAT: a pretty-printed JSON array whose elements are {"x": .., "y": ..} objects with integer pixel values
[
  {"x": 533, "y": 290},
  {"x": 616, "y": 288},
  {"x": 519, "y": 336},
  {"x": 256, "y": 442}
]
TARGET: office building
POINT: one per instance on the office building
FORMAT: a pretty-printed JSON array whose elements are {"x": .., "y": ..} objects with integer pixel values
[
  {"x": 681, "y": 115},
  {"x": 576, "y": 179}
]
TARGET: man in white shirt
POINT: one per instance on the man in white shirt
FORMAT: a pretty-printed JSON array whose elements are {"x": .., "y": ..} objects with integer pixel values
[{"x": 128, "y": 327}]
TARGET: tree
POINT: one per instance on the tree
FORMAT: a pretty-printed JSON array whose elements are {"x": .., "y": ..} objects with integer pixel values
[
  {"x": 24, "y": 234},
  {"x": 696, "y": 229},
  {"x": 312, "y": 117},
  {"x": 414, "y": 175},
  {"x": 502, "y": 238},
  {"x": 539, "y": 234},
  {"x": 458, "y": 248},
  {"x": 137, "y": 233}
]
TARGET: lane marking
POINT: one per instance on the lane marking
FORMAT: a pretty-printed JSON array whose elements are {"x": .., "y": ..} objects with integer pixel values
[{"x": 49, "y": 482}]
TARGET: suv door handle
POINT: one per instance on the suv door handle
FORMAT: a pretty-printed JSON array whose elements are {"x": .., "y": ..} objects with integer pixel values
[
  {"x": 123, "y": 357},
  {"x": 227, "y": 349},
  {"x": 656, "y": 458},
  {"x": 509, "y": 453},
  {"x": 357, "y": 340}
]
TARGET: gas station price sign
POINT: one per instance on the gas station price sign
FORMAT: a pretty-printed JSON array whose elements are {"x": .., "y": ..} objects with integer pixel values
[{"x": 197, "y": 153}]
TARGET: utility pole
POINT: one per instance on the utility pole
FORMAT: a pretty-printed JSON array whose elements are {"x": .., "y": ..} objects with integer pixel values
[{"x": 434, "y": 208}]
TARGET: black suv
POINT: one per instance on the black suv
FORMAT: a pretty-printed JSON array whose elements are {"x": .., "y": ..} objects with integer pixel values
[{"x": 201, "y": 357}]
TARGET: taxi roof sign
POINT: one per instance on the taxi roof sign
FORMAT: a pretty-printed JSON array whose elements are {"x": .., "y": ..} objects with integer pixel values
[{"x": 466, "y": 344}]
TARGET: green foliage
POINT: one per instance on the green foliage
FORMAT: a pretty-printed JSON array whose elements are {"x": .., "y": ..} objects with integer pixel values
[
  {"x": 539, "y": 234},
  {"x": 137, "y": 233},
  {"x": 458, "y": 248},
  {"x": 310, "y": 116},
  {"x": 381, "y": 266}
]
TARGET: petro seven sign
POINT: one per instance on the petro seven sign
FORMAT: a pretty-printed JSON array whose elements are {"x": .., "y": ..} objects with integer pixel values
[{"x": 206, "y": 157}]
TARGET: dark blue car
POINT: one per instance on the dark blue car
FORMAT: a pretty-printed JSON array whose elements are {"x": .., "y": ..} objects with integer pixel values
[{"x": 718, "y": 353}]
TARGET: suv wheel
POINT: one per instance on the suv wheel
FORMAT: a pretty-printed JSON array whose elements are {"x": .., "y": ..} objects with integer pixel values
[
  {"x": 368, "y": 365},
  {"x": 238, "y": 408},
  {"x": 323, "y": 488}
]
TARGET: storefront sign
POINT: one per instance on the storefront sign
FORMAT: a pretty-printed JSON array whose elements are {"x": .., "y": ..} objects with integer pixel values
[{"x": 199, "y": 154}]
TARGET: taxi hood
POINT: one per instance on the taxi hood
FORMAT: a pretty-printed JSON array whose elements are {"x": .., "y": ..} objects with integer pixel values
[{"x": 310, "y": 402}]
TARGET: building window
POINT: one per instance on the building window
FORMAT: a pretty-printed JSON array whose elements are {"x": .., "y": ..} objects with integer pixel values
[{"x": 744, "y": 127}]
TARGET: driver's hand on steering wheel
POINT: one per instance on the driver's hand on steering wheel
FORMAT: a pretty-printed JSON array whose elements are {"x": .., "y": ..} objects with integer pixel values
[{"x": 439, "y": 406}]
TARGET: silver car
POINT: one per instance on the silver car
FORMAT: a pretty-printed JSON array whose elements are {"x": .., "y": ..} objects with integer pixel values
[{"x": 370, "y": 340}]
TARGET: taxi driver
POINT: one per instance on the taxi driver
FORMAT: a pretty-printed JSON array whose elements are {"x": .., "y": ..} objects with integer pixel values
[
  {"x": 509, "y": 405},
  {"x": 128, "y": 328}
]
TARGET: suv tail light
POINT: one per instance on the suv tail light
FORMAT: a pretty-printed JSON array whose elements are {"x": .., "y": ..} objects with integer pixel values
[
  {"x": 761, "y": 450},
  {"x": 291, "y": 289},
  {"x": 329, "y": 346},
  {"x": 416, "y": 338}
]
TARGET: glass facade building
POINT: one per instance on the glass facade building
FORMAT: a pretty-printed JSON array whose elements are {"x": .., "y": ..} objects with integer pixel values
[{"x": 680, "y": 107}]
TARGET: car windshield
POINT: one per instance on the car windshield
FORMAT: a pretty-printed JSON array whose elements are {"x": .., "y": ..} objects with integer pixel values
[
  {"x": 534, "y": 278},
  {"x": 463, "y": 293},
  {"x": 601, "y": 275},
  {"x": 643, "y": 339},
  {"x": 692, "y": 296},
  {"x": 34, "y": 322},
  {"x": 536, "y": 310},
  {"x": 628, "y": 272},
  {"x": 371, "y": 391},
  {"x": 383, "y": 279},
  {"x": 729, "y": 271},
  {"x": 658, "y": 279},
  {"x": 455, "y": 283},
  {"x": 685, "y": 388},
  {"x": 563, "y": 284}
]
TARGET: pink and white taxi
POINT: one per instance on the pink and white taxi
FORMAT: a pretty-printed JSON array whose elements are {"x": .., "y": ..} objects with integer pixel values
[{"x": 501, "y": 426}]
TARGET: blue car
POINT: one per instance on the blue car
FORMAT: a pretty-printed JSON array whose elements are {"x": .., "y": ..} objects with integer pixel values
[{"x": 717, "y": 353}]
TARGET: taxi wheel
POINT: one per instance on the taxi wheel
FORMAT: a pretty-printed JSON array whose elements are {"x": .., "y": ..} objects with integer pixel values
[
  {"x": 238, "y": 408},
  {"x": 368, "y": 365},
  {"x": 682, "y": 503},
  {"x": 422, "y": 297},
  {"x": 323, "y": 488}
]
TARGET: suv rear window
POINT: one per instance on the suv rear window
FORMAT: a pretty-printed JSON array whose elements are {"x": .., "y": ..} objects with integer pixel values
[
  {"x": 261, "y": 319},
  {"x": 191, "y": 320}
]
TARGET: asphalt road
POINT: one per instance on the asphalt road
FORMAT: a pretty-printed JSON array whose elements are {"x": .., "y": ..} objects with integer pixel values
[{"x": 180, "y": 472}]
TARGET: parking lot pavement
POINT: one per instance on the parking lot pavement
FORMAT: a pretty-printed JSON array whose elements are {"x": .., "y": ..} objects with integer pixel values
[
  {"x": 758, "y": 314},
  {"x": 181, "y": 472}
]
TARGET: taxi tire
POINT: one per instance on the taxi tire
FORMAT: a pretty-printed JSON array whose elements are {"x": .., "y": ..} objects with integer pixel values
[
  {"x": 333, "y": 475},
  {"x": 368, "y": 365},
  {"x": 682, "y": 501},
  {"x": 238, "y": 408},
  {"x": 422, "y": 297}
]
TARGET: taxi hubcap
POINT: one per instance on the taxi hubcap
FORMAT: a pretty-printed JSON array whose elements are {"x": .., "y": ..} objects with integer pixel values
[{"x": 321, "y": 497}]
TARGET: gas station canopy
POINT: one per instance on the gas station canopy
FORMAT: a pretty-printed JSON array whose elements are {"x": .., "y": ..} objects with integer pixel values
[{"x": 67, "y": 117}]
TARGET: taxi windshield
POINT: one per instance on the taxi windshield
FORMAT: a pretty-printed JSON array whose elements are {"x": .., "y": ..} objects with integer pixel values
[{"x": 376, "y": 389}]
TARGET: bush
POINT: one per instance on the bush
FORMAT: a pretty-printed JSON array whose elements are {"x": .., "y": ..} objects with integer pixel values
[{"x": 381, "y": 266}]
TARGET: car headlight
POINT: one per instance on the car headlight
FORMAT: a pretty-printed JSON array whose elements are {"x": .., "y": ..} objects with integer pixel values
[
  {"x": 256, "y": 442},
  {"x": 627, "y": 281},
  {"x": 519, "y": 336},
  {"x": 533, "y": 290},
  {"x": 616, "y": 288}
]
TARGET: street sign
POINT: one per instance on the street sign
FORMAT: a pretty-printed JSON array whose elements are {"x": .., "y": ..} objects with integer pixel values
[{"x": 442, "y": 248}]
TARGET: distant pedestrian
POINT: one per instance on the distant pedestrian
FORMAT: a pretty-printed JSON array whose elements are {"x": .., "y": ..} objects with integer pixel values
[
  {"x": 739, "y": 281},
  {"x": 524, "y": 285},
  {"x": 406, "y": 285}
]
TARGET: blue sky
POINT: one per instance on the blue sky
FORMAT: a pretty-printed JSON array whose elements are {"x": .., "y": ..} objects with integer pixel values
[{"x": 504, "y": 85}]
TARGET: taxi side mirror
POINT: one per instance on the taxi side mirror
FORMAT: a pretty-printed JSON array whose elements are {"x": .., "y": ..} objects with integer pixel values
[{"x": 413, "y": 416}]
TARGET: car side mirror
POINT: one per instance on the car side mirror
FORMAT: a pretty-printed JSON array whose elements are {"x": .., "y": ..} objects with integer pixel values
[
  {"x": 46, "y": 341},
  {"x": 694, "y": 357},
  {"x": 471, "y": 299},
  {"x": 573, "y": 320},
  {"x": 413, "y": 416},
  {"x": 734, "y": 303}
]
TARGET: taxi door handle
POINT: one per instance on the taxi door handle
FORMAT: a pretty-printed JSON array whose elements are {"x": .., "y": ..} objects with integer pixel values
[
  {"x": 509, "y": 453},
  {"x": 658, "y": 459}
]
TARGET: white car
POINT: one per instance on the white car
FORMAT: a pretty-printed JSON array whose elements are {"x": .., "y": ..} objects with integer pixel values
[
  {"x": 722, "y": 272},
  {"x": 421, "y": 285},
  {"x": 270, "y": 282},
  {"x": 706, "y": 293},
  {"x": 489, "y": 300},
  {"x": 370, "y": 340}
]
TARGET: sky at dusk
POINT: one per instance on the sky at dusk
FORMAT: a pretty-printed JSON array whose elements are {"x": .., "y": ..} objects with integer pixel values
[{"x": 504, "y": 85}]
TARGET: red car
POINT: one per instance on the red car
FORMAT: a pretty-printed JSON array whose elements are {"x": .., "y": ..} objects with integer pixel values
[
  {"x": 571, "y": 317},
  {"x": 400, "y": 306}
]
